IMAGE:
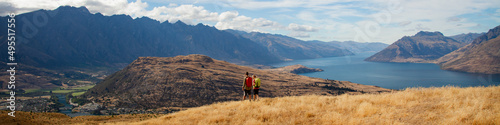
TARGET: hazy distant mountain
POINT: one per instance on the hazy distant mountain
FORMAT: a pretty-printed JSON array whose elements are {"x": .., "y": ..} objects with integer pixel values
[
  {"x": 196, "y": 80},
  {"x": 423, "y": 47},
  {"x": 480, "y": 56},
  {"x": 73, "y": 37},
  {"x": 287, "y": 48},
  {"x": 358, "y": 47},
  {"x": 466, "y": 38}
]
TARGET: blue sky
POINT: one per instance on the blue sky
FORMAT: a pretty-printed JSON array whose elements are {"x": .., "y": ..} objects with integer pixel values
[{"x": 326, "y": 20}]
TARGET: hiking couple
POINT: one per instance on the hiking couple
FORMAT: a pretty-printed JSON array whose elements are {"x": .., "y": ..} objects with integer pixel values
[{"x": 250, "y": 83}]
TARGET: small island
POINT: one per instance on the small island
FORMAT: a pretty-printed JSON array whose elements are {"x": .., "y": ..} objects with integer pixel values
[{"x": 296, "y": 69}]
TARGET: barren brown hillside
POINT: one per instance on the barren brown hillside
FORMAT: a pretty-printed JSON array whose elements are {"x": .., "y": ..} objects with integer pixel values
[
  {"x": 423, "y": 47},
  {"x": 480, "y": 56}
]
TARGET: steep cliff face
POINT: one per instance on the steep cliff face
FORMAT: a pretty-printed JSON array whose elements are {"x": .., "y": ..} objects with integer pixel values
[{"x": 423, "y": 47}]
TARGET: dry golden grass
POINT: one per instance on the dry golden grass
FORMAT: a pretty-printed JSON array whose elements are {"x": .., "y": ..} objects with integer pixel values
[{"x": 447, "y": 105}]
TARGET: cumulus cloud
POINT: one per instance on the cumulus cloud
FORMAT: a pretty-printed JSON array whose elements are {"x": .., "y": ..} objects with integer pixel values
[
  {"x": 189, "y": 14},
  {"x": 228, "y": 15},
  {"x": 248, "y": 24},
  {"x": 303, "y": 28}
]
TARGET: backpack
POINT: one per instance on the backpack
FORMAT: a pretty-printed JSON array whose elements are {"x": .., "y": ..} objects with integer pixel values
[
  {"x": 257, "y": 82},
  {"x": 249, "y": 82}
]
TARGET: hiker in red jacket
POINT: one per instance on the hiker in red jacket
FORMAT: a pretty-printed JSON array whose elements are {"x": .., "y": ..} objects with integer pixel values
[{"x": 247, "y": 87}]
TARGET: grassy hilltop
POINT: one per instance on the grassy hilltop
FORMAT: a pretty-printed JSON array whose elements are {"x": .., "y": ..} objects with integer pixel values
[{"x": 446, "y": 105}]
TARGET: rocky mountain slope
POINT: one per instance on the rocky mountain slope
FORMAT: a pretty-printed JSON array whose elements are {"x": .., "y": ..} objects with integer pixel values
[
  {"x": 288, "y": 48},
  {"x": 480, "y": 56},
  {"x": 195, "y": 80},
  {"x": 423, "y": 47}
]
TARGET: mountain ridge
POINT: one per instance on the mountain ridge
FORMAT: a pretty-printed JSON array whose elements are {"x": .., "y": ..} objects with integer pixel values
[
  {"x": 74, "y": 37},
  {"x": 480, "y": 56},
  {"x": 357, "y": 47},
  {"x": 422, "y": 47},
  {"x": 288, "y": 48},
  {"x": 466, "y": 37}
]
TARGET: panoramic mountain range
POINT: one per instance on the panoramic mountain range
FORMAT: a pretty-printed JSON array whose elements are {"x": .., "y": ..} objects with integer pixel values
[
  {"x": 282, "y": 46},
  {"x": 288, "y": 48},
  {"x": 71, "y": 38},
  {"x": 74, "y": 37},
  {"x": 195, "y": 80}
]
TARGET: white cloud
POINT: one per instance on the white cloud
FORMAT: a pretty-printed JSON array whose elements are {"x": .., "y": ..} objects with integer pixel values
[
  {"x": 256, "y": 5},
  {"x": 401, "y": 18},
  {"x": 248, "y": 24},
  {"x": 172, "y": 5},
  {"x": 304, "y": 28},
  {"x": 228, "y": 15},
  {"x": 189, "y": 14},
  {"x": 337, "y": 19}
]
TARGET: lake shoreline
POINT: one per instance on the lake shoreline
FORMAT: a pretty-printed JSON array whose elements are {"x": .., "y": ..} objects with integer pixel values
[{"x": 391, "y": 75}]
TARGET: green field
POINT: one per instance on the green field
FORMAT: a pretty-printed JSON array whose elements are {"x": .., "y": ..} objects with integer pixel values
[
  {"x": 85, "y": 87},
  {"x": 33, "y": 90},
  {"x": 77, "y": 93},
  {"x": 77, "y": 90},
  {"x": 59, "y": 91}
]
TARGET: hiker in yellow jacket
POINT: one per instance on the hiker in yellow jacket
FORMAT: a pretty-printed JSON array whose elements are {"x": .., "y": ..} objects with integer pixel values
[{"x": 256, "y": 86}]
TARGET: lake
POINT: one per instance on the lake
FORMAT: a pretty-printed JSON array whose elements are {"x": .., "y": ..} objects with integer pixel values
[{"x": 390, "y": 75}]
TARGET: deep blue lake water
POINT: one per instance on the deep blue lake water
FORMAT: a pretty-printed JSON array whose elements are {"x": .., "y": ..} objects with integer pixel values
[{"x": 390, "y": 75}]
